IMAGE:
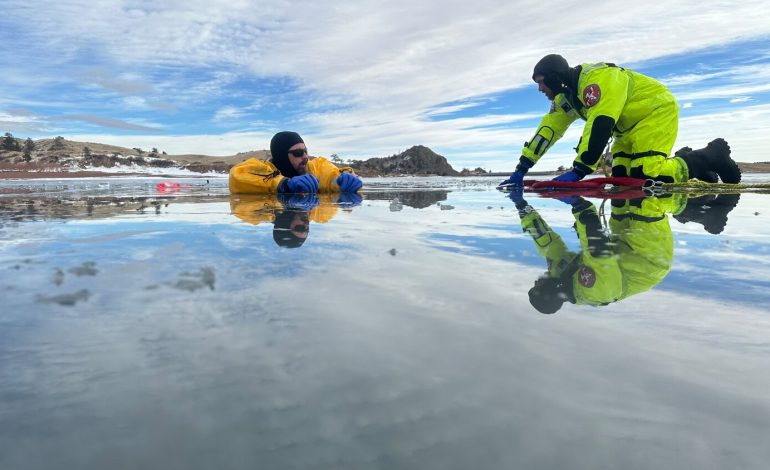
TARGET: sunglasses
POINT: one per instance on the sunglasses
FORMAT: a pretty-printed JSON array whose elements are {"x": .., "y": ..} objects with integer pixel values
[
  {"x": 300, "y": 228},
  {"x": 298, "y": 152}
]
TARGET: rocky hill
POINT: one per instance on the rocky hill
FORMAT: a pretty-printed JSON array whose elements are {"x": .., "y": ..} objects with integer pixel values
[
  {"x": 415, "y": 161},
  {"x": 67, "y": 155}
]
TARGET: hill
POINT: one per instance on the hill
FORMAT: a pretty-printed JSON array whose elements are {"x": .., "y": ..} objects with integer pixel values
[
  {"x": 415, "y": 161},
  {"x": 67, "y": 155}
]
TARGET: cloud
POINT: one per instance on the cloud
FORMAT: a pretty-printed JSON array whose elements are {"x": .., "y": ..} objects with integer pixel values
[
  {"x": 745, "y": 129},
  {"x": 20, "y": 120},
  {"x": 375, "y": 84},
  {"x": 106, "y": 122},
  {"x": 228, "y": 113},
  {"x": 124, "y": 86}
]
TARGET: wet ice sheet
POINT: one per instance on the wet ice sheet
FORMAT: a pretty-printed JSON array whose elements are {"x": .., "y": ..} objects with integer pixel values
[{"x": 398, "y": 335}]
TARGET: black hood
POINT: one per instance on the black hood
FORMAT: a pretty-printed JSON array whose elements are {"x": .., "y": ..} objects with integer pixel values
[
  {"x": 282, "y": 234},
  {"x": 556, "y": 72},
  {"x": 279, "y": 150}
]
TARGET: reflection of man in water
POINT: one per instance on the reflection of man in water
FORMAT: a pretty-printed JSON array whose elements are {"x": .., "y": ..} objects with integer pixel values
[
  {"x": 634, "y": 256},
  {"x": 291, "y": 228},
  {"x": 290, "y": 214}
]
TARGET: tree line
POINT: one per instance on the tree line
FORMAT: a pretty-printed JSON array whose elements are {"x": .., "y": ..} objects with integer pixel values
[{"x": 12, "y": 144}]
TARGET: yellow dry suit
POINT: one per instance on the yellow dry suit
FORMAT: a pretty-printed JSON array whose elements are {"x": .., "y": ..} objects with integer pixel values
[
  {"x": 639, "y": 112},
  {"x": 634, "y": 257},
  {"x": 261, "y": 176},
  {"x": 258, "y": 208}
]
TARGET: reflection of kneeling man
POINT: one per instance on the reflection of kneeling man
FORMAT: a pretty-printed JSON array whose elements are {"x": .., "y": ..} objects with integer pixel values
[
  {"x": 634, "y": 257},
  {"x": 290, "y": 214}
]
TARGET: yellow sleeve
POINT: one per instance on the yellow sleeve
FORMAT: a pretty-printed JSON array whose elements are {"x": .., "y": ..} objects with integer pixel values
[
  {"x": 254, "y": 208},
  {"x": 327, "y": 174},
  {"x": 326, "y": 210},
  {"x": 548, "y": 243},
  {"x": 255, "y": 176},
  {"x": 552, "y": 127}
]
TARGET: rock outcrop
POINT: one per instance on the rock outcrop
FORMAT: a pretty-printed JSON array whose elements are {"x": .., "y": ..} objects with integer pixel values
[{"x": 415, "y": 161}]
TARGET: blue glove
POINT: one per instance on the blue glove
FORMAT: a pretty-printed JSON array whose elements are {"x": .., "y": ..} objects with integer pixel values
[
  {"x": 305, "y": 202},
  {"x": 516, "y": 179},
  {"x": 349, "y": 183},
  {"x": 349, "y": 199},
  {"x": 517, "y": 195},
  {"x": 306, "y": 183},
  {"x": 569, "y": 177}
]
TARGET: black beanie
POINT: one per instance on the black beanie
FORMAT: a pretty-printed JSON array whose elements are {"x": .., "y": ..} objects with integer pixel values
[
  {"x": 279, "y": 149},
  {"x": 282, "y": 234},
  {"x": 547, "y": 295},
  {"x": 555, "y": 71}
]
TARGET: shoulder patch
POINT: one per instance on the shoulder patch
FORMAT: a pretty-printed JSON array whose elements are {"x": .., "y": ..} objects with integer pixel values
[
  {"x": 591, "y": 95},
  {"x": 587, "y": 277}
]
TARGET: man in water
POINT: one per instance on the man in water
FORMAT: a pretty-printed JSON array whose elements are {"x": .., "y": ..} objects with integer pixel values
[
  {"x": 290, "y": 170},
  {"x": 637, "y": 111}
]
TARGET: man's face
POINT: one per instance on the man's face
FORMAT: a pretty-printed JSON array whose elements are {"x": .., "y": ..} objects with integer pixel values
[
  {"x": 300, "y": 226},
  {"x": 298, "y": 162},
  {"x": 543, "y": 88}
]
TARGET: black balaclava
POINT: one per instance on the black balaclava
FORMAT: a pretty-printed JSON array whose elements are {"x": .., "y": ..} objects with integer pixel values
[
  {"x": 282, "y": 233},
  {"x": 548, "y": 294},
  {"x": 556, "y": 72},
  {"x": 279, "y": 149}
]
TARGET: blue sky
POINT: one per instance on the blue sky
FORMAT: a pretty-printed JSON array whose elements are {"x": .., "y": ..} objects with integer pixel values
[{"x": 366, "y": 79}]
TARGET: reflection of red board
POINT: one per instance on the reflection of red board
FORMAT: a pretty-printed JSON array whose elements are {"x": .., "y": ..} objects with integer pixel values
[
  {"x": 598, "y": 192},
  {"x": 170, "y": 186},
  {"x": 619, "y": 187}
]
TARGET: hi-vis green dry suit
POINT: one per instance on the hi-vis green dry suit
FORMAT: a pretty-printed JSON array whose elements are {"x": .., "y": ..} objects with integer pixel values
[
  {"x": 633, "y": 258},
  {"x": 645, "y": 116}
]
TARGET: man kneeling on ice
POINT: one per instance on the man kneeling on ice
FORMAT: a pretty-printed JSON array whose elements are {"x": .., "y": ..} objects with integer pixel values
[
  {"x": 290, "y": 170},
  {"x": 637, "y": 111}
]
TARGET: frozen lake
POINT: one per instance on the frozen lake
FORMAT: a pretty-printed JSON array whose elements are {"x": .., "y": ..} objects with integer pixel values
[{"x": 178, "y": 329}]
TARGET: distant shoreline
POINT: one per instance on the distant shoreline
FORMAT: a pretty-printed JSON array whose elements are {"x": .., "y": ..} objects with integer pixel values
[{"x": 31, "y": 175}]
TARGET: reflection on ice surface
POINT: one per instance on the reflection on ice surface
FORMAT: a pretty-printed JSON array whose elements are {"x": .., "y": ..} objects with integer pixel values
[{"x": 196, "y": 329}]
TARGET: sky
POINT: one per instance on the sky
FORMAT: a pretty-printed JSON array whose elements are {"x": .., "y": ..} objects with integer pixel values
[{"x": 368, "y": 78}]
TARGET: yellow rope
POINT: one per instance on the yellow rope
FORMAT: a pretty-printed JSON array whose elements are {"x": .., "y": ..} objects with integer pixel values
[{"x": 694, "y": 185}]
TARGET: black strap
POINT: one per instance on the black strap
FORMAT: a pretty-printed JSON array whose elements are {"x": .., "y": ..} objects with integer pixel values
[
  {"x": 642, "y": 218},
  {"x": 634, "y": 156}
]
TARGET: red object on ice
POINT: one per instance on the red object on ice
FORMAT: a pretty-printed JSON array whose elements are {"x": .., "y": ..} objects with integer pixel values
[
  {"x": 591, "y": 183},
  {"x": 170, "y": 186}
]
